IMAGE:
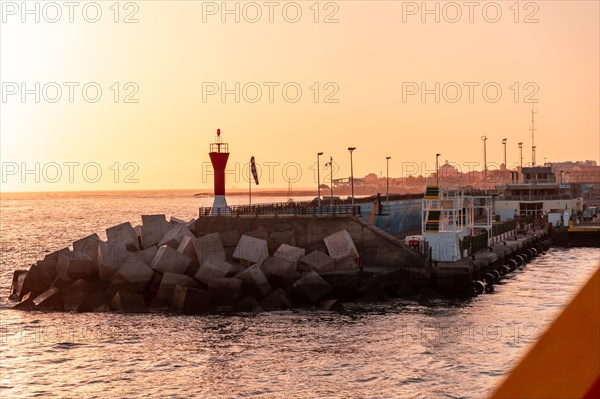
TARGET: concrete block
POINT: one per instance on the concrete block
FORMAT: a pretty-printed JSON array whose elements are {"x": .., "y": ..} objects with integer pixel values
[
  {"x": 62, "y": 281},
  {"x": 124, "y": 301},
  {"x": 277, "y": 299},
  {"x": 229, "y": 254},
  {"x": 316, "y": 261},
  {"x": 225, "y": 291},
  {"x": 246, "y": 304},
  {"x": 262, "y": 234},
  {"x": 154, "y": 227},
  {"x": 208, "y": 245},
  {"x": 48, "y": 265},
  {"x": 230, "y": 238},
  {"x": 191, "y": 300},
  {"x": 125, "y": 234},
  {"x": 17, "y": 284},
  {"x": 168, "y": 260},
  {"x": 151, "y": 289},
  {"x": 236, "y": 268},
  {"x": 83, "y": 269},
  {"x": 255, "y": 282},
  {"x": 75, "y": 294},
  {"x": 340, "y": 244},
  {"x": 26, "y": 302},
  {"x": 277, "y": 238},
  {"x": 138, "y": 232},
  {"x": 135, "y": 272},
  {"x": 312, "y": 286},
  {"x": 175, "y": 221},
  {"x": 49, "y": 299},
  {"x": 192, "y": 225},
  {"x": 175, "y": 235},
  {"x": 213, "y": 267},
  {"x": 251, "y": 249},
  {"x": 348, "y": 262},
  {"x": 187, "y": 248},
  {"x": 37, "y": 280},
  {"x": 277, "y": 266},
  {"x": 97, "y": 302},
  {"x": 88, "y": 248},
  {"x": 147, "y": 255},
  {"x": 61, "y": 259},
  {"x": 117, "y": 285},
  {"x": 114, "y": 253},
  {"x": 289, "y": 253},
  {"x": 170, "y": 281}
]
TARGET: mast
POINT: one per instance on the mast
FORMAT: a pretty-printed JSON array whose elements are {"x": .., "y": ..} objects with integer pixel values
[{"x": 533, "y": 129}]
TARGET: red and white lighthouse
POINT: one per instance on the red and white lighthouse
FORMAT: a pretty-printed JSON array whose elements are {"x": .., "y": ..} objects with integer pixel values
[{"x": 219, "y": 154}]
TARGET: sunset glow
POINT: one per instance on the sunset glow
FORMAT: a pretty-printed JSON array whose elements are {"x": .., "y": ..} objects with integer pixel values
[{"x": 382, "y": 76}]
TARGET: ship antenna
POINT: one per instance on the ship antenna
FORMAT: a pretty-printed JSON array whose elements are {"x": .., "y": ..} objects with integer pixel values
[{"x": 533, "y": 129}]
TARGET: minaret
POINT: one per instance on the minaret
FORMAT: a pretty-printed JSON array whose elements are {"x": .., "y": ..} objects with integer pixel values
[{"x": 219, "y": 154}]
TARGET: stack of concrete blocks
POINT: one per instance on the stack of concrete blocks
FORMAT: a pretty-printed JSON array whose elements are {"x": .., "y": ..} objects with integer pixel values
[{"x": 167, "y": 265}]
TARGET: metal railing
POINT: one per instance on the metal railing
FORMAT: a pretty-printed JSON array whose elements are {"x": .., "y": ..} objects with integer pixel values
[
  {"x": 535, "y": 197},
  {"x": 285, "y": 208}
]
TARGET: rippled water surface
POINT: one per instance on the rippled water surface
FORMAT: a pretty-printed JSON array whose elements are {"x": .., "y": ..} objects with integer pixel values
[{"x": 396, "y": 349}]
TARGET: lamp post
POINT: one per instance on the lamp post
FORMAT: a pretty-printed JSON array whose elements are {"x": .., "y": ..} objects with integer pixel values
[
  {"x": 319, "y": 180},
  {"x": 351, "y": 149},
  {"x": 521, "y": 153},
  {"x": 437, "y": 170},
  {"x": 387, "y": 180},
  {"x": 484, "y": 138},
  {"x": 330, "y": 164},
  {"x": 505, "y": 165}
]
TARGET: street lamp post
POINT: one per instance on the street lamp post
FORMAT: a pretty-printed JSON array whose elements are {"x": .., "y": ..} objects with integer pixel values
[
  {"x": 521, "y": 153},
  {"x": 505, "y": 165},
  {"x": 330, "y": 164},
  {"x": 351, "y": 149},
  {"x": 387, "y": 180},
  {"x": 437, "y": 170},
  {"x": 319, "y": 180},
  {"x": 484, "y": 138}
]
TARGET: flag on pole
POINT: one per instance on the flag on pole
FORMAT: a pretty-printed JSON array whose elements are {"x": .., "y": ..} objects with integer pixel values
[{"x": 254, "y": 173}]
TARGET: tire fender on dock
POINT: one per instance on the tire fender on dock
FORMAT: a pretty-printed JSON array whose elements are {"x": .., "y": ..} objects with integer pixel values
[
  {"x": 496, "y": 275},
  {"x": 489, "y": 279},
  {"x": 479, "y": 287},
  {"x": 503, "y": 270}
]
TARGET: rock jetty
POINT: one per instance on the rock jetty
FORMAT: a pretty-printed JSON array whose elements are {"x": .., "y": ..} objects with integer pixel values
[{"x": 169, "y": 266}]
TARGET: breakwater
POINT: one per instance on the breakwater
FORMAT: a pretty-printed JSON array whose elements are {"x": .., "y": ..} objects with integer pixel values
[
  {"x": 214, "y": 264},
  {"x": 246, "y": 263}
]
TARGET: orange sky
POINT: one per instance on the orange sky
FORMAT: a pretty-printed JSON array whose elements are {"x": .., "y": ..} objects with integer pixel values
[{"x": 364, "y": 65}]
